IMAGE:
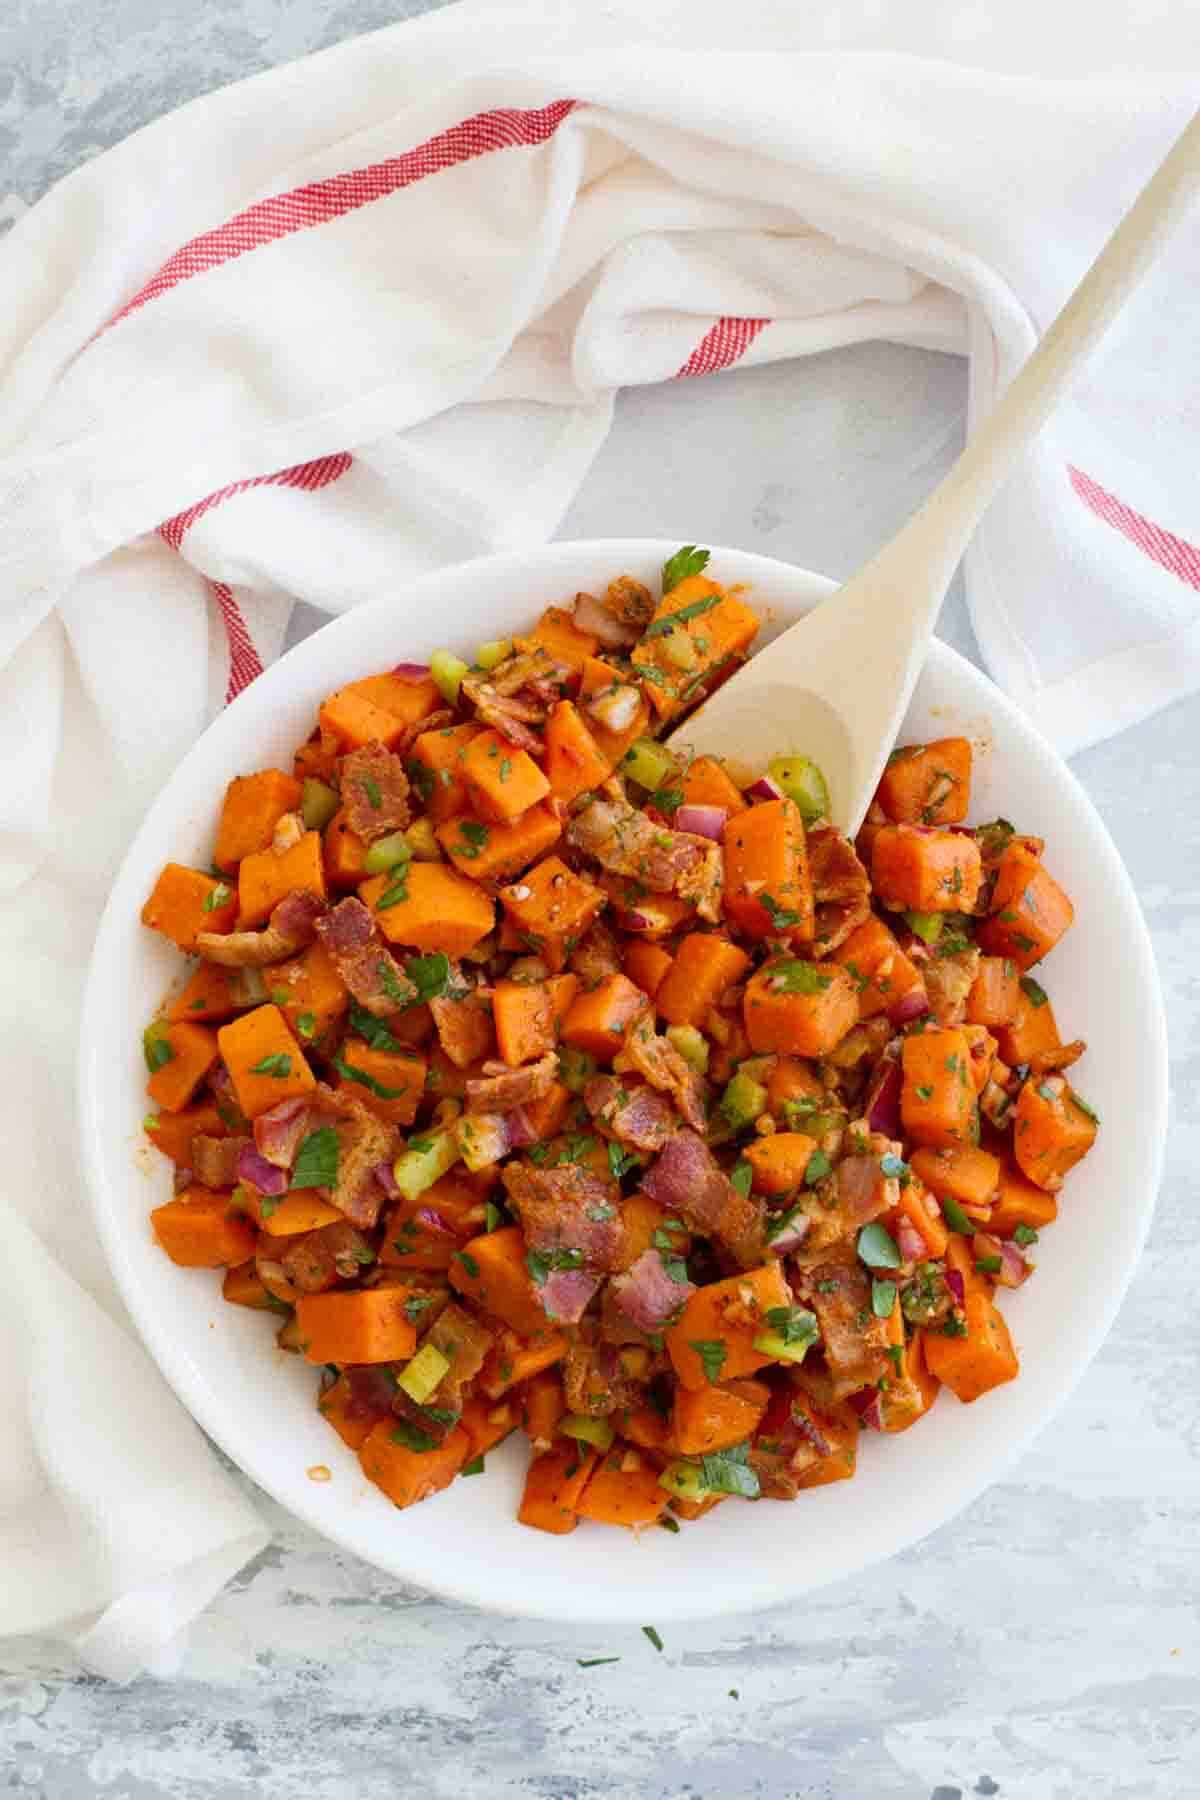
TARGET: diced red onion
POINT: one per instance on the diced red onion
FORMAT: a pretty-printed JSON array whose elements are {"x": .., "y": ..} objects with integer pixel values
[
  {"x": 957, "y": 1286},
  {"x": 883, "y": 1099},
  {"x": 1015, "y": 1269},
  {"x": 385, "y": 1176},
  {"x": 910, "y": 1242},
  {"x": 764, "y": 789},
  {"x": 790, "y": 1235},
  {"x": 633, "y": 921},
  {"x": 703, "y": 821},
  {"x": 277, "y": 1133},
  {"x": 910, "y": 1006},
  {"x": 261, "y": 1174},
  {"x": 410, "y": 671},
  {"x": 431, "y": 1220},
  {"x": 867, "y": 1404},
  {"x": 521, "y": 1129},
  {"x": 592, "y": 615},
  {"x": 615, "y": 708}
]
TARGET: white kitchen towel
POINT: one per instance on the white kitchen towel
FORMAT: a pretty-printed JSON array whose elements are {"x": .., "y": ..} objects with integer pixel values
[{"x": 367, "y": 314}]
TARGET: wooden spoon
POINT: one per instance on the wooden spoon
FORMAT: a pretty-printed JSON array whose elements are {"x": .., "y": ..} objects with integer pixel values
[{"x": 836, "y": 686}]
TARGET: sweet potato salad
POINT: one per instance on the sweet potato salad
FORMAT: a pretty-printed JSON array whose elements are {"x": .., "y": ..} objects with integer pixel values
[{"x": 543, "y": 1077}]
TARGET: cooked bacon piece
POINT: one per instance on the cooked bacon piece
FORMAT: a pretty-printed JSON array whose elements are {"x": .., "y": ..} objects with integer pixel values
[
  {"x": 541, "y": 675},
  {"x": 948, "y": 981},
  {"x": 594, "y": 1377},
  {"x": 568, "y": 1209},
  {"x": 374, "y": 792},
  {"x": 596, "y": 956},
  {"x": 664, "y": 1068},
  {"x": 463, "y": 1017},
  {"x": 317, "y": 1260},
  {"x": 464, "y": 1342},
  {"x": 687, "y": 1179},
  {"x": 566, "y": 1294},
  {"x": 434, "y": 721},
  {"x": 1048, "y": 1062},
  {"x": 278, "y": 1133},
  {"x": 364, "y": 1139},
  {"x": 625, "y": 842},
  {"x": 652, "y": 1292},
  {"x": 857, "y": 1192},
  {"x": 605, "y": 622},
  {"x": 292, "y": 926},
  {"x": 841, "y": 887},
  {"x": 501, "y": 1089},
  {"x": 630, "y": 601},
  {"x": 803, "y": 1424},
  {"x": 214, "y": 1159},
  {"x": 630, "y": 1111},
  {"x": 703, "y": 883},
  {"x": 362, "y": 959},
  {"x": 854, "y": 1340}
]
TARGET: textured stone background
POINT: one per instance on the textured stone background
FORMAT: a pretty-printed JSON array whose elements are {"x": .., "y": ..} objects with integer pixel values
[{"x": 1044, "y": 1646}]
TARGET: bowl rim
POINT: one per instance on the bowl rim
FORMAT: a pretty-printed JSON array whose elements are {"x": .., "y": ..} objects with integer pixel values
[{"x": 565, "y": 1602}]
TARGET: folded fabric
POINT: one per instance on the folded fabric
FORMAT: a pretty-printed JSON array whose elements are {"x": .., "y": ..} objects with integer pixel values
[{"x": 366, "y": 315}]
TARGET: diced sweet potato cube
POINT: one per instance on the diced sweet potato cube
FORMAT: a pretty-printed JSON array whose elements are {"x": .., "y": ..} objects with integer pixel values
[
  {"x": 264, "y": 879},
  {"x": 927, "y": 784},
  {"x": 186, "y": 902},
  {"x": 440, "y": 910},
  {"x": 768, "y": 891},
  {"x": 919, "y": 870},
  {"x": 265, "y": 1063},
  {"x": 254, "y": 805},
  {"x": 435, "y": 770},
  {"x": 193, "y": 1053},
  {"x": 801, "y": 1008},
  {"x": 489, "y": 852},
  {"x": 1029, "y": 911},
  {"x": 198, "y": 1230}
]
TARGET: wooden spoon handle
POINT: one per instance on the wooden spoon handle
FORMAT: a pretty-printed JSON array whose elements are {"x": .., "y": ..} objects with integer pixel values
[{"x": 938, "y": 534}]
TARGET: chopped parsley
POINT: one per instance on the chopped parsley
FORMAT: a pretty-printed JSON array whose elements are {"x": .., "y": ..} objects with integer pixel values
[
  {"x": 712, "y": 1353},
  {"x": 620, "y": 1161},
  {"x": 1024, "y": 1235},
  {"x": 317, "y": 1159},
  {"x": 349, "y": 1072},
  {"x": 156, "y": 1049},
  {"x": 741, "y": 1176},
  {"x": 729, "y": 1472},
  {"x": 649, "y": 1630},
  {"x": 794, "y": 1324},
  {"x": 877, "y": 1247},
  {"x": 955, "y": 1217},
  {"x": 685, "y": 562},
  {"x": 592, "y": 1662},
  {"x": 474, "y": 1467},
  {"x": 467, "y": 1260},
  {"x": 883, "y": 1299},
  {"x": 413, "y": 1438},
  {"x": 430, "y": 976},
  {"x": 492, "y": 1216},
  {"x": 542, "y": 1263},
  {"x": 781, "y": 916},
  {"x": 394, "y": 895},
  {"x": 372, "y": 1029},
  {"x": 817, "y": 1168},
  {"x": 370, "y": 788},
  {"x": 796, "y": 977},
  {"x": 217, "y": 896},
  {"x": 306, "y": 1024},
  {"x": 278, "y": 1066},
  {"x": 472, "y": 839},
  {"x": 1033, "y": 991}
]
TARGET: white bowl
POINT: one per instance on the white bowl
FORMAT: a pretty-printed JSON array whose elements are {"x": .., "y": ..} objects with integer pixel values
[{"x": 258, "y": 1403}]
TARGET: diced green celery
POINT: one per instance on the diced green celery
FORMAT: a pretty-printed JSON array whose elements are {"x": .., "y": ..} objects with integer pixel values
[
  {"x": 649, "y": 763},
  {"x": 419, "y": 1377},
  {"x": 685, "y": 1480},
  {"x": 691, "y": 1044},
  {"x": 156, "y": 1047},
  {"x": 743, "y": 1101},
  {"x": 447, "y": 671},
  {"x": 488, "y": 655},
  {"x": 422, "y": 841},
  {"x": 387, "y": 853},
  {"x": 318, "y": 803},
  {"x": 770, "y": 1343},
  {"x": 425, "y": 1161},
  {"x": 575, "y": 1068},
  {"x": 927, "y": 926},
  {"x": 588, "y": 1430},
  {"x": 803, "y": 782}
]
